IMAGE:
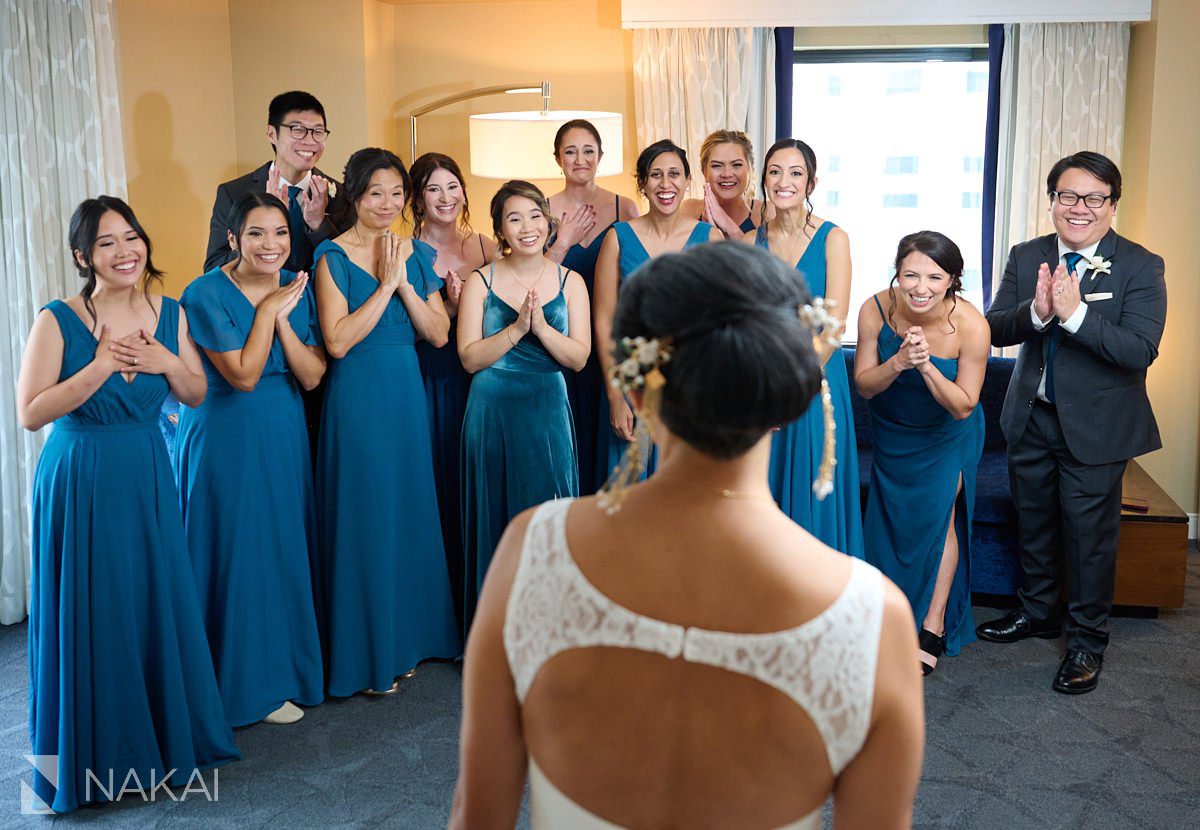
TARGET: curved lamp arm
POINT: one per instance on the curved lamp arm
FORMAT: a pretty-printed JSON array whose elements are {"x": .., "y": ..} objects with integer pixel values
[{"x": 542, "y": 88}]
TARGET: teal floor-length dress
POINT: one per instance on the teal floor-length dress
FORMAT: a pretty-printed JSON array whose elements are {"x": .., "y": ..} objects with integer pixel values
[
  {"x": 632, "y": 255},
  {"x": 386, "y": 602},
  {"x": 244, "y": 468},
  {"x": 518, "y": 442},
  {"x": 120, "y": 677},
  {"x": 797, "y": 448},
  {"x": 921, "y": 454},
  {"x": 585, "y": 388}
]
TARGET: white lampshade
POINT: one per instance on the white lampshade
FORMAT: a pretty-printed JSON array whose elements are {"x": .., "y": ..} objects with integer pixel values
[{"x": 520, "y": 145}]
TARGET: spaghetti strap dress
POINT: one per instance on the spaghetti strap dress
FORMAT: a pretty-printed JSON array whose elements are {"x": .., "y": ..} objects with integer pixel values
[
  {"x": 120, "y": 677},
  {"x": 796, "y": 449},
  {"x": 518, "y": 443},
  {"x": 921, "y": 454}
]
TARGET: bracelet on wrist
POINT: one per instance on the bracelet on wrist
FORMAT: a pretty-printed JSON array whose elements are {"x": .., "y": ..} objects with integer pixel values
[{"x": 508, "y": 331}]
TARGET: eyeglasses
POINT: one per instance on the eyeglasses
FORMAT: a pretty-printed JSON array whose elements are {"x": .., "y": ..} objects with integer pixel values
[
  {"x": 300, "y": 132},
  {"x": 1068, "y": 198}
]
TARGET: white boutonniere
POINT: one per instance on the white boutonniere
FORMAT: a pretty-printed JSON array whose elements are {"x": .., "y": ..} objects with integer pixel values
[
  {"x": 1100, "y": 265},
  {"x": 332, "y": 189}
]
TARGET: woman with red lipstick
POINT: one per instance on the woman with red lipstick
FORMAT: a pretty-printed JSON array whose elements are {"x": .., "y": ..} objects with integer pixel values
[
  {"x": 820, "y": 252},
  {"x": 585, "y": 212},
  {"x": 120, "y": 676},
  {"x": 382, "y": 580},
  {"x": 663, "y": 174},
  {"x": 244, "y": 469},
  {"x": 522, "y": 320},
  {"x": 441, "y": 217},
  {"x": 922, "y": 354},
  {"x": 727, "y": 163}
]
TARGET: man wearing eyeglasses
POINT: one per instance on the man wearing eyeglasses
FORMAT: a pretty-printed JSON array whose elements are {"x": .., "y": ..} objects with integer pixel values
[
  {"x": 1087, "y": 307},
  {"x": 297, "y": 132}
]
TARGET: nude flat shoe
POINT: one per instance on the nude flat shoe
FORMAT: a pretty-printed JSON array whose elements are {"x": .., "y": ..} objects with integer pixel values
[{"x": 287, "y": 713}]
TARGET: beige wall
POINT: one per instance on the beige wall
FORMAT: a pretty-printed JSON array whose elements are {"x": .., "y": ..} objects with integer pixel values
[
  {"x": 177, "y": 117},
  {"x": 444, "y": 48},
  {"x": 1162, "y": 177}
]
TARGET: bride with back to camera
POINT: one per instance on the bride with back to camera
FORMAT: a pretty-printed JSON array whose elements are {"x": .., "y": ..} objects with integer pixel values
[{"x": 610, "y": 661}]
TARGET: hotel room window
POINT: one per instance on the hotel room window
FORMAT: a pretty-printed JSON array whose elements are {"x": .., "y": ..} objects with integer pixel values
[{"x": 919, "y": 113}]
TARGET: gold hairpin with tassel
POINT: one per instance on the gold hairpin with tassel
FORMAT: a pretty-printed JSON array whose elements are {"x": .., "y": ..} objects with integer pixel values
[{"x": 827, "y": 337}]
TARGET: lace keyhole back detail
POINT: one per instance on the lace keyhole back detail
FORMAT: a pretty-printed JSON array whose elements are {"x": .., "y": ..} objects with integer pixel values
[{"x": 826, "y": 665}]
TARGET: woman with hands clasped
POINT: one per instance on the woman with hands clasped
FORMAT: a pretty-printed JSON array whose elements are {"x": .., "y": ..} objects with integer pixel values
[
  {"x": 585, "y": 211},
  {"x": 244, "y": 469},
  {"x": 921, "y": 359},
  {"x": 727, "y": 164},
  {"x": 522, "y": 320},
  {"x": 382, "y": 579},
  {"x": 120, "y": 675}
]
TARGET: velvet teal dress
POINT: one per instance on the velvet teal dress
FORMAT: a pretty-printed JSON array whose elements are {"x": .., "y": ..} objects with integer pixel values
[
  {"x": 585, "y": 388},
  {"x": 120, "y": 676},
  {"x": 796, "y": 449},
  {"x": 632, "y": 255},
  {"x": 518, "y": 441},
  {"x": 385, "y": 591},
  {"x": 244, "y": 468},
  {"x": 921, "y": 452}
]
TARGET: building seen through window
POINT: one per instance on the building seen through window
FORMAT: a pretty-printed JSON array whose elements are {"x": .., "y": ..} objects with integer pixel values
[{"x": 899, "y": 148}]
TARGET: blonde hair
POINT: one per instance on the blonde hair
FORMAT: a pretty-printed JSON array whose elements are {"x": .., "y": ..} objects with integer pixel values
[{"x": 716, "y": 139}]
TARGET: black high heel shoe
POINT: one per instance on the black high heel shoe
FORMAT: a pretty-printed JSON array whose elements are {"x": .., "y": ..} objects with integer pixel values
[{"x": 932, "y": 647}]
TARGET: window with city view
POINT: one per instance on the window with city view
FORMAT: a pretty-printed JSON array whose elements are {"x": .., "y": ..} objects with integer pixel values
[{"x": 899, "y": 138}]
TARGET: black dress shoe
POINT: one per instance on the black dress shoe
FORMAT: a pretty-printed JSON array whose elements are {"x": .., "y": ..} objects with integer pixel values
[
  {"x": 1079, "y": 672},
  {"x": 1015, "y": 626}
]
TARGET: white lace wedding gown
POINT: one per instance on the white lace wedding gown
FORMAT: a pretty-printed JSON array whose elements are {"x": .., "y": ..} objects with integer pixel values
[{"x": 826, "y": 665}]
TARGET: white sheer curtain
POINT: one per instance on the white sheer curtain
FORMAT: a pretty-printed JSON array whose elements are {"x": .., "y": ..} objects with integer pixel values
[
  {"x": 1062, "y": 91},
  {"x": 689, "y": 82},
  {"x": 60, "y": 128}
]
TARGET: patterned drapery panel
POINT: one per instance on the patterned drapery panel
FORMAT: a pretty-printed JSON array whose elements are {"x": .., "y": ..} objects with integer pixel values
[
  {"x": 1062, "y": 91},
  {"x": 60, "y": 127},
  {"x": 689, "y": 82}
]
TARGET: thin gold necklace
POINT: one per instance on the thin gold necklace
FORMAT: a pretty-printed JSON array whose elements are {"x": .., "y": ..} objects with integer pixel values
[
  {"x": 726, "y": 493},
  {"x": 538, "y": 279}
]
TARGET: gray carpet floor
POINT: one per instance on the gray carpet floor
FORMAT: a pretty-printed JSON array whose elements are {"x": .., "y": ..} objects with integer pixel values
[{"x": 1003, "y": 750}]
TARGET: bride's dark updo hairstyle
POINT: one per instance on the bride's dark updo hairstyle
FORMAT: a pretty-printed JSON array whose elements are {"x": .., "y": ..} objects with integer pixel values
[{"x": 743, "y": 360}]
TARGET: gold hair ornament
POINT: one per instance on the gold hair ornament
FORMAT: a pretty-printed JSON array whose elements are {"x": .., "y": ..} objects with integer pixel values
[{"x": 827, "y": 337}]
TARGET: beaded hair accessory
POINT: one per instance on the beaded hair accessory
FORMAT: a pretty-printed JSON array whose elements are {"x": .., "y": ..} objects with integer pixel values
[{"x": 641, "y": 369}]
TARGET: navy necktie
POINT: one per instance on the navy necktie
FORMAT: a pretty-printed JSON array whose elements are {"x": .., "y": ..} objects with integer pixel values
[
  {"x": 295, "y": 212},
  {"x": 1056, "y": 334}
]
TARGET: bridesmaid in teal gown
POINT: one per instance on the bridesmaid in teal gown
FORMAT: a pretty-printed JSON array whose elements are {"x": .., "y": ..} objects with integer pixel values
[
  {"x": 441, "y": 217},
  {"x": 928, "y": 428},
  {"x": 120, "y": 678},
  {"x": 820, "y": 251},
  {"x": 244, "y": 469},
  {"x": 386, "y": 603},
  {"x": 521, "y": 321},
  {"x": 663, "y": 174},
  {"x": 582, "y": 206}
]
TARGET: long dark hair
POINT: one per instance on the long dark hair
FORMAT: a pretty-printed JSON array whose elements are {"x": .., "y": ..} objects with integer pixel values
[
  {"x": 945, "y": 254},
  {"x": 810, "y": 162},
  {"x": 422, "y": 170},
  {"x": 356, "y": 178},
  {"x": 81, "y": 239},
  {"x": 235, "y": 222}
]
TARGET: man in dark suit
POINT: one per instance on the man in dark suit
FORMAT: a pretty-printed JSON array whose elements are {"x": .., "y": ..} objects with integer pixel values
[
  {"x": 1088, "y": 308},
  {"x": 297, "y": 132}
]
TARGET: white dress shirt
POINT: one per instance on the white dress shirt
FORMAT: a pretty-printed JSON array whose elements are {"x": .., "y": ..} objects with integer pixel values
[{"x": 1072, "y": 323}]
